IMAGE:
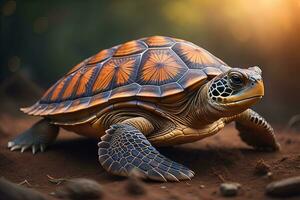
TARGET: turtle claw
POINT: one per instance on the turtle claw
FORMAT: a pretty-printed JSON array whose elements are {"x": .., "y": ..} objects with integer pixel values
[
  {"x": 10, "y": 144},
  {"x": 185, "y": 176},
  {"x": 42, "y": 147},
  {"x": 15, "y": 147},
  {"x": 24, "y": 148},
  {"x": 34, "y": 149},
  {"x": 37, "y": 138}
]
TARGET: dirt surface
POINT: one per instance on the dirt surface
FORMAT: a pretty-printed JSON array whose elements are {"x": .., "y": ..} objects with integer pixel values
[{"x": 220, "y": 158}]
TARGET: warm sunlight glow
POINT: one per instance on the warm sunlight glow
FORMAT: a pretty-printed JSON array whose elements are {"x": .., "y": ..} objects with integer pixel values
[{"x": 260, "y": 21}]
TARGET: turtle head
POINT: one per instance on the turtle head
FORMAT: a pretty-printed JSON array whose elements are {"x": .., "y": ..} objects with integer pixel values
[{"x": 236, "y": 90}]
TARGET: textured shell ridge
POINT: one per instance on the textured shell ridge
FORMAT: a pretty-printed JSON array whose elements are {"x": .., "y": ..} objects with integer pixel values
[{"x": 153, "y": 68}]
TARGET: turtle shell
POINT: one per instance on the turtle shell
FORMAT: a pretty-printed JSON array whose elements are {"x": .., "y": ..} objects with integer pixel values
[{"x": 150, "y": 68}]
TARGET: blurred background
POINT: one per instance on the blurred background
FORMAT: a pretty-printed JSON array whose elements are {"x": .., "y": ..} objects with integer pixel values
[{"x": 41, "y": 40}]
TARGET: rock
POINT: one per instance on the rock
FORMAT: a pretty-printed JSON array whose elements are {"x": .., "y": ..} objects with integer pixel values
[
  {"x": 284, "y": 158},
  {"x": 289, "y": 141},
  {"x": 294, "y": 123},
  {"x": 284, "y": 188},
  {"x": 81, "y": 188},
  {"x": 270, "y": 175},
  {"x": 174, "y": 197},
  {"x": 135, "y": 186},
  {"x": 229, "y": 189},
  {"x": 262, "y": 168},
  {"x": 11, "y": 191}
]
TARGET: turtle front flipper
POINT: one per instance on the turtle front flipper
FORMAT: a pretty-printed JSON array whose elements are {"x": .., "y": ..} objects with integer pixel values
[
  {"x": 124, "y": 148},
  {"x": 38, "y": 137},
  {"x": 256, "y": 131}
]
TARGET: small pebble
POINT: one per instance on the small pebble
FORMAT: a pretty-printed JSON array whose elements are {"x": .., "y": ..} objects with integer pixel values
[
  {"x": 284, "y": 158},
  {"x": 163, "y": 187},
  {"x": 202, "y": 186},
  {"x": 284, "y": 188},
  {"x": 270, "y": 175},
  {"x": 135, "y": 186},
  {"x": 81, "y": 188},
  {"x": 262, "y": 168},
  {"x": 229, "y": 189},
  {"x": 288, "y": 141}
]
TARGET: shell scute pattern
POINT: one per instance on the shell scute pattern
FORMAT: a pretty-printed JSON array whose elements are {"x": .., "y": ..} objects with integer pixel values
[
  {"x": 116, "y": 72},
  {"x": 64, "y": 88},
  {"x": 126, "y": 91},
  {"x": 159, "y": 67},
  {"x": 196, "y": 57},
  {"x": 158, "y": 41},
  {"x": 102, "y": 55},
  {"x": 171, "y": 89},
  {"x": 84, "y": 83},
  {"x": 153, "y": 67},
  {"x": 76, "y": 67},
  {"x": 70, "y": 89},
  {"x": 131, "y": 47},
  {"x": 151, "y": 91}
]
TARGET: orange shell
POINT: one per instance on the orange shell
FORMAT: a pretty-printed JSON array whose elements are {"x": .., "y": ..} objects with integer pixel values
[
  {"x": 158, "y": 41},
  {"x": 149, "y": 68}
]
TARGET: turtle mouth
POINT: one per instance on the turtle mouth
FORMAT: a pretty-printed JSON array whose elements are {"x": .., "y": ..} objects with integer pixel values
[{"x": 245, "y": 101}]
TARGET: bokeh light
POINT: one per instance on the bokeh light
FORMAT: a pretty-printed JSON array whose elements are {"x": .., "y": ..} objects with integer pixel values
[{"x": 9, "y": 8}]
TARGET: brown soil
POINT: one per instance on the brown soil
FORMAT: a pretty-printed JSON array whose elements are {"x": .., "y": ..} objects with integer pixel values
[{"x": 220, "y": 158}]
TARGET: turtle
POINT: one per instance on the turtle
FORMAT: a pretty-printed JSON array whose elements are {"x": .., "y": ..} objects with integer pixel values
[{"x": 147, "y": 93}]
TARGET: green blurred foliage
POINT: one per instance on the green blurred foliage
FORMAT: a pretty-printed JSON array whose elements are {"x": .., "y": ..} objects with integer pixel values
[{"x": 44, "y": 39}]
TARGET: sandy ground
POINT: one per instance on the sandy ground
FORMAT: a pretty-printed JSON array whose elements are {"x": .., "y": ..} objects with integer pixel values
[{"x": 222, "y": 157}]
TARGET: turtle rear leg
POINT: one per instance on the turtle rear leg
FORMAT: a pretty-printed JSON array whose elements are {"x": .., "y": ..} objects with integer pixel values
[
  {"x": 38, "y": 137},
  {"x": 256, "y": 131},
  {"x": 124, "y": 148}
]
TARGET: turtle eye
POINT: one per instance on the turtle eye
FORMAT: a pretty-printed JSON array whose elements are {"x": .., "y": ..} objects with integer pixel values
[{"x": 236, "y": 79}]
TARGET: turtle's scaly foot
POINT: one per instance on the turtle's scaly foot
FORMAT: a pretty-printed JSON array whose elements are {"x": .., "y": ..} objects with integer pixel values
[
  {"x": 38, "y": 137},
  {"x": 256, "y": 131},
  {"x": 124, "y": 148}
]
